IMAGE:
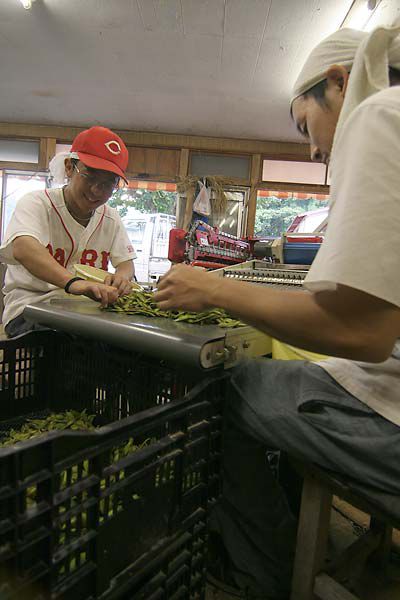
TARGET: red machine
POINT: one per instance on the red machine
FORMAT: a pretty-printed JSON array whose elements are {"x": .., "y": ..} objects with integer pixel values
[{"x": 206, "y": 246}]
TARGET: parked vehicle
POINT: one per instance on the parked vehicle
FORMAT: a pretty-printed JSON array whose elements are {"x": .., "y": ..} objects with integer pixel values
[
  {"x": 149, "y": 234},
  {"x": 312, "y": 221},
  {"x": 302, "y": 239}
]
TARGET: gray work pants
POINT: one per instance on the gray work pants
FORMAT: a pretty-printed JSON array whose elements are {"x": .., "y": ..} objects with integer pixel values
[
  {"x": 294, "y": 406},
  {"x": 19, "y": 325}
]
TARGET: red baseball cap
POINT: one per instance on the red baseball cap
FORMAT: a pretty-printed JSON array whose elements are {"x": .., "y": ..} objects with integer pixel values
[{"x": 101, "y": 148}]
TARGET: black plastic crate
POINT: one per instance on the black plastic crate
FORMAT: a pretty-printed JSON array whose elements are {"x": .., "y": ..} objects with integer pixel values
[
  {"x": 82, "y": 518},
  {"x": 46, "y": 370}
]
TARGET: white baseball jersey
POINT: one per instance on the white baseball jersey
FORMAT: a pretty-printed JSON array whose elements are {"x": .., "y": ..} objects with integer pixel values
[{"x": 44, "y": 216}]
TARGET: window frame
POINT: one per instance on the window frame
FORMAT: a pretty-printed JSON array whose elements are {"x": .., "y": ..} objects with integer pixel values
[{"x": 5, "y": 173}]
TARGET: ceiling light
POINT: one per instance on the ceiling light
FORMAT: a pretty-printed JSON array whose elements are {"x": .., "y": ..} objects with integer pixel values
[
  {"x": 27, "y": 3},
  {"x": 360, "y": 13}
]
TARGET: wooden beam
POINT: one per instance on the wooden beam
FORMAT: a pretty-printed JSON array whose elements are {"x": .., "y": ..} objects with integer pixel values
[
  {"x": 19, "y": 166},
  {"x": 281, "y": 186},
  {"x": 188, "y": 212},
  {"x": 251, "y": 212},
  {"x": 181, "y": 202},
  {"x": 42, "y": 153},
  {"x": 329, "y": 589},
  {"x": 184, "y": 162},
  {"x": 312, "y": 537},
  {"x": 344, "y": 565},
  {"x": 256, "y": 169},
  {"x": 164, "y": 140},
  {"x": 256, "y": 166},
  {"x": 380, "y": 558},
  {"x": 47, "y": 149},
  {"x": 305, "y": 157}
]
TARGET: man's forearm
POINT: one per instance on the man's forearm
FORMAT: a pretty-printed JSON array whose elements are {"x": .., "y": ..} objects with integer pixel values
[
  {"x": 38, "y": 261},
  {"x": 126, "y": 269},
  {"x": 296, "y": 317}
]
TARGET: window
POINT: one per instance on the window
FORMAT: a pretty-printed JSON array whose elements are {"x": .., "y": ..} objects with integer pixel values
[
  {"x": 219, "y": 164},
  {"x": 15, "y": 185},
  {"x": 278, "y": 212},
  {"x": 19, "y": 151},
  {"x": 148, "y": 210},
  {"x": 232, "y": 220},
  {"x": 294, "y": 172}
]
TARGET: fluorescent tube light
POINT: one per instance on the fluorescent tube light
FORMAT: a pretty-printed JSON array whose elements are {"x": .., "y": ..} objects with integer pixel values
[{"x": 360, "y": 13}]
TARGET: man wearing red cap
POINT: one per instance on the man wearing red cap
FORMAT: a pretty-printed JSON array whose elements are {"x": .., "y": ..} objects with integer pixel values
[{"x": 53, "y": 229}]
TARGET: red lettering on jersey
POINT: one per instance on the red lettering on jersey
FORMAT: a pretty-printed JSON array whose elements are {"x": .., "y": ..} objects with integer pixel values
[
  {"x": 89, "y": 257},
  {"x": 104, "y": 260},
  {"x": 58, "y": 255}
]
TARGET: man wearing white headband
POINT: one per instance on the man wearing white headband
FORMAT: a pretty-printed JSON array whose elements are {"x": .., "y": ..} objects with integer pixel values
[
  {"x": 343, "y": 413},
  {"x": 51, "y": 230}
]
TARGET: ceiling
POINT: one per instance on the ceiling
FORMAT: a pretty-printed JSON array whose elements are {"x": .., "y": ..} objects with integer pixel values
[{"x": 202, "y": 67}]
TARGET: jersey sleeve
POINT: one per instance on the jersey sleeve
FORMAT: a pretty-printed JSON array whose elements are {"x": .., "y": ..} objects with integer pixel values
[
  {"x": 362, "y": 244},
  {"x": 122, "y": 248},
  {"x": 30, "y": 218}
]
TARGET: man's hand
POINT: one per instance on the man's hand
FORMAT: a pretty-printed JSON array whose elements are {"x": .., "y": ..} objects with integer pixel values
[
  {"x": 105, "y": 294},
  {"x": 123, "y": 285},
  {"x": 186, "y": 288}
]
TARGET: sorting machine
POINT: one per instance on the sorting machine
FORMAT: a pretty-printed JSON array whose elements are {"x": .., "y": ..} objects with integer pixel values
[{"x": 197, "y": 346}]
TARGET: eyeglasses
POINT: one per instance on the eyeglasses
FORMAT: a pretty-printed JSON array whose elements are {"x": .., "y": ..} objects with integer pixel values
[{"x": 104, "y": 186}]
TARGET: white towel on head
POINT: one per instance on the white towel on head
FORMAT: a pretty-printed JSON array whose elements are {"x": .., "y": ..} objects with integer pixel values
[
  {"x": 366, "y": 55},
  {"x": 337, "y": 49},
  {"x": 370, "y": 71},
  {"x": 57, "y": 169}
]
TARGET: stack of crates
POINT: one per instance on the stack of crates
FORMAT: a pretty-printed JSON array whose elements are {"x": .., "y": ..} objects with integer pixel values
[{"x": 82, "y": 517}]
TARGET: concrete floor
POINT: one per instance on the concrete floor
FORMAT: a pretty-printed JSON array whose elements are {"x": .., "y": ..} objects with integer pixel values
[{"x": 368, "y": 585}]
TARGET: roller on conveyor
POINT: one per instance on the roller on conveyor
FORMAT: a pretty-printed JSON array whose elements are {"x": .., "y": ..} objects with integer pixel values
[{"x": 197, "y": 346}]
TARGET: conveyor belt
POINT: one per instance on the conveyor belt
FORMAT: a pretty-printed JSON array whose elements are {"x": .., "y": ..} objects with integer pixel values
[{"x": 203, "y": 346}]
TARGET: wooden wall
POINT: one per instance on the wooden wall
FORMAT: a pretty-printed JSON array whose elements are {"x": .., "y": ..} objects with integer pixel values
[
  {"x": 153, "y": 162},
  {"x": 165, "y": 157}
]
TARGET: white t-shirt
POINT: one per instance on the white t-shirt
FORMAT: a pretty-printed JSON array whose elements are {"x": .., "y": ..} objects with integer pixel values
[
  {"x": 362, "y": 244},
  {"x": 44, "y": 216}
]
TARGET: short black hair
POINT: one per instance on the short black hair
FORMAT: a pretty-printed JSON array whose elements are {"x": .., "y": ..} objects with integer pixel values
[{"x": 318, "y": 90}]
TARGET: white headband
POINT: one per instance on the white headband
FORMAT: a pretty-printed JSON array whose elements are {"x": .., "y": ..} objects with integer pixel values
[
  {"x": 366, "y": 55},
  {"x": 338, "y": 49}
]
